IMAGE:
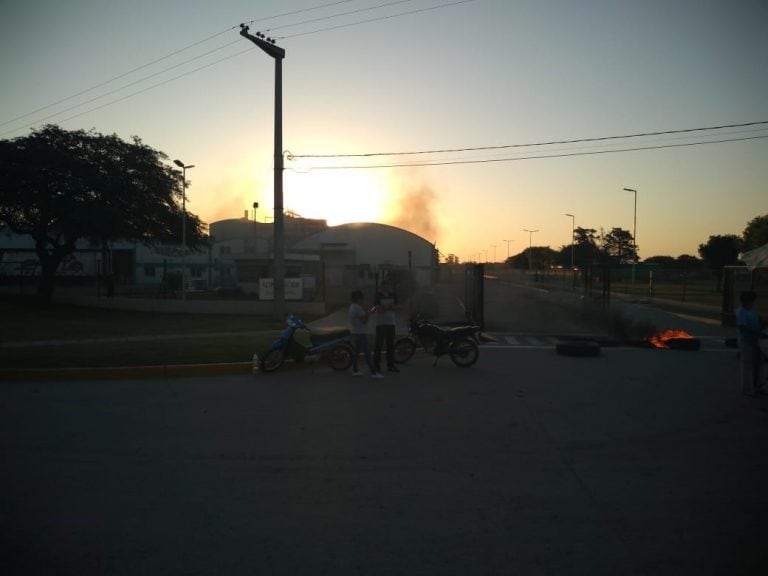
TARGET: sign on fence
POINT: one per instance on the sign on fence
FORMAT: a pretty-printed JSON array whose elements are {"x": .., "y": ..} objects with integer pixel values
[{"x": 294, "y": 289}]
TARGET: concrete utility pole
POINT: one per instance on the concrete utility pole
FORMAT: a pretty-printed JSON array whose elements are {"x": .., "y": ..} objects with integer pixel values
[
  {"x": 268, "y": 46},
  {"x": 573, "y": 241},
  {"x": 183, "y": 167},
  {"x": 530, "y": 247},
  {"x": 634, "y": 238},
  {"x": 508, "y": 242}
]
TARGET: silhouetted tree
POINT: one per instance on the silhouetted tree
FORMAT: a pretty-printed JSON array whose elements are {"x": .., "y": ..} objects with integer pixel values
[
  {"x": 720, "y": 251},
  {"x": 618, "y": 246},
  {"x": 689, "y": 262},
  {"x": 666, "y": 261},
  {"x": 62, "y": 186},
  {"x": 756, "y": 233},
  {"x": 587, "y": 251},
  {"x": 539, "y": 257}
]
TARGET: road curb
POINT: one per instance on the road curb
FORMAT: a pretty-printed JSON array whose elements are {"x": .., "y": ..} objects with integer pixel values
[{"x": 125, "y": 372}]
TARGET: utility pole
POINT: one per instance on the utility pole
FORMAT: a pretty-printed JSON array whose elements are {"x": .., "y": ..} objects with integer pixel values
[
  {"x": 530, "y": 247},
  {"x": 634, "y": 238},
  {"x": 183, "y": 167},
  {"x": 268, "y": 46},
  {"x": 508, "y": 241}
]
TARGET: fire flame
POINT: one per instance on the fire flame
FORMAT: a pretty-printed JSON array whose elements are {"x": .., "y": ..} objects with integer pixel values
[{"x": 660, "y": 340}]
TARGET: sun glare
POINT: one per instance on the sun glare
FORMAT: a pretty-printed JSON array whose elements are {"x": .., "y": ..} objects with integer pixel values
[{"x": 338, "y": 196}]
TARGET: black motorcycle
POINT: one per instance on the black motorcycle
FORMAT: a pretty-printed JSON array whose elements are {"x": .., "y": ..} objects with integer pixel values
[{"x": 459, "y": 342}]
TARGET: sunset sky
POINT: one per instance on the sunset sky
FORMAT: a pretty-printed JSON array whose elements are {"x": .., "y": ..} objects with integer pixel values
[{"x": 377, "y": 76}]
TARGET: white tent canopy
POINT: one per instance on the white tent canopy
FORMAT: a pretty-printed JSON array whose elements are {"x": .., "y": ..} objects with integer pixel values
[{"x": 757, "y": 258}]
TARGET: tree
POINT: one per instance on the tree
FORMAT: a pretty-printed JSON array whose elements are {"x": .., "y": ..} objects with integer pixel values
[
  {"x": 537, "y": 257},
  {"x": 756, "y": 233},
  {"x": 586, "y": 251},
  {"x": 688, "y": 262},
  {"x": 665, "y": 261},
  {"x": 720, "y": 251},
  {"x": 451, "y": 259},
  {"x": 618, "y": 246},
  {"x": 62, "y": 186}
]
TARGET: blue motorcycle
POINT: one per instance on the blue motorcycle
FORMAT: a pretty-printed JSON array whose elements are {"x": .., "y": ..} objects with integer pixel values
[{"x": 335, "y": 347}]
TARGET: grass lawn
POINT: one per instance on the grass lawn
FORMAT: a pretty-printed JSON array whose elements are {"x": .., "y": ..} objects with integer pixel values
[{"x": 68, "y": 336}]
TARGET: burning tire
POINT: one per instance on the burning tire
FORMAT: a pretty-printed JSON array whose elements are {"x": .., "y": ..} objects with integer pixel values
[
  {"x": 683, "y": 343},
  {"x": 581, "y": 348},
  {"x": 674, "y": 340}
]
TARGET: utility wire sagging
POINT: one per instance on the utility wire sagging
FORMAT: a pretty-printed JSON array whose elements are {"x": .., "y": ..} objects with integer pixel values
[
  {"x": 715, "y": 135},
  {"x": 81, "y": 99}
]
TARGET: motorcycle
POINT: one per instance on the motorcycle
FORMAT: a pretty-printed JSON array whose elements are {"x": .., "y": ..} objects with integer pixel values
[
  {"x": 334, "y": 346},
  {"x": 460, "y": 342}
]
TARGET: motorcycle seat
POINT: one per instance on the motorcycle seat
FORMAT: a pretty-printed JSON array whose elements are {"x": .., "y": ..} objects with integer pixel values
[{"x": 328, "y": 335}]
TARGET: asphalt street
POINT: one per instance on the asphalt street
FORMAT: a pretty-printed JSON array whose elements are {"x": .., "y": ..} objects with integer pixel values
[{"x": 636, "y": 462}]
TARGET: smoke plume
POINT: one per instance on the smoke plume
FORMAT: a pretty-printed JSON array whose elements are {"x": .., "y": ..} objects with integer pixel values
[{"x": 414, "y": 210}]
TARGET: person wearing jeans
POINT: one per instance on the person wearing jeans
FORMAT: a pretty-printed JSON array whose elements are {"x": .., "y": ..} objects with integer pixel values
[
  {"x": 385, "y": 305},
  {"x": 358, "y": 327}
]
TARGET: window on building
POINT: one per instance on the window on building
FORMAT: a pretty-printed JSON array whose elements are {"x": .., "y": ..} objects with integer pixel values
[
  {"x": 149, "y": 270},
  {"x": 196, "y": 272}
]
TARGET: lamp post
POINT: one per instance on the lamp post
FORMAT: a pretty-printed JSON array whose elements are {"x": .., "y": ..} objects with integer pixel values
[
  {"x": 508, "y": 242},
  {"x": 494, "y": 252},
  {"x": 573, "y": 236},
  {"x": 530, "y": 247},
  {"x": 634, "y": 238},
  {"x": 268, "y": 46},
  {"x": 183, "y": 167}
]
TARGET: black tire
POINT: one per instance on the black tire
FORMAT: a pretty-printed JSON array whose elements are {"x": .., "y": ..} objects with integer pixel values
[
  {"x": 272, "y": 360},
  {"x": 404, "y": 350},
  {"x": 464, "y": 352},
  {"x": 581, "y": 348},
  {"x": 340, "y": 358}
]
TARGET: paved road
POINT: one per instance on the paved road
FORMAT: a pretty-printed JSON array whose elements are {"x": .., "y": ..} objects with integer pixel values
[{"x": 638, "y": 462}]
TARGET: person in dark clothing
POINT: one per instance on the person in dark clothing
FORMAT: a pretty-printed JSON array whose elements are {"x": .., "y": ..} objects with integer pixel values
[{"x": 385, "y": 306}]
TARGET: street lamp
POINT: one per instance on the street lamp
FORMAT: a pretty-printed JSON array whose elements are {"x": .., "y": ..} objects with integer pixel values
[
  {"x": 634, "y": 238},
  {"x": 494, "y": 252},
  {"x": 573, "y": 237},
  {"x": 183, "y": 167},
  {"x": 530, "y": 249},
  {"x": 267, "y": 45},
  {"x": 508, "y": 242}
]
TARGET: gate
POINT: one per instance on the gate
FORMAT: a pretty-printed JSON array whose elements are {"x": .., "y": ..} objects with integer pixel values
[{"x": 474, "y": 294}]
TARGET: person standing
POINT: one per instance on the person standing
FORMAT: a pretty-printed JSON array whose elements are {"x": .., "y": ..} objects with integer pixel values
[
  {"x": 750, "y": 326},
  {"x": 385, "y": 305},
  {"x": 358, "y": 327}
]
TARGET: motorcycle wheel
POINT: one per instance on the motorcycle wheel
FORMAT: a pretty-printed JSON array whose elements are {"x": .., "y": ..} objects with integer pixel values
[
  {"x": 464, "y": 352},
  {"x": 340, "y": 358},
  {"x": 404, "y": 350},
  {"x": 272, "y": 360}
]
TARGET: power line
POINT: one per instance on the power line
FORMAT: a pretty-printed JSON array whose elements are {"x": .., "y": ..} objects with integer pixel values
[
  {"x": 538, "y": 157},
  {"x": 167, "y": 81},
  {"x": 157, "y": 60},
  {"x": 192, "y": 45},
  {"x": 301, "y": 11},
  {"x": 332, "y": 16},
  {"x": 115, "y": 78},
  {"x": 508, "y": 146},
  {"x": 135, "y": 82},
  {"x": 377, "y": 19}
]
